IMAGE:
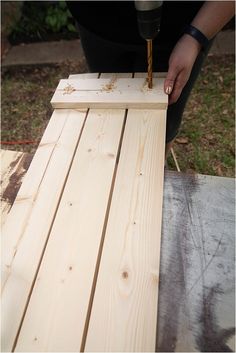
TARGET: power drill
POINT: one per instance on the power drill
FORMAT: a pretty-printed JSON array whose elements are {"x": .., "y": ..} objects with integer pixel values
[{"x": 149, "y": 18}]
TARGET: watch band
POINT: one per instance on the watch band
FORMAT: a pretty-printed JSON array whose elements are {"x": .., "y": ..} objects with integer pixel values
[{"x": 198, "y": 35}]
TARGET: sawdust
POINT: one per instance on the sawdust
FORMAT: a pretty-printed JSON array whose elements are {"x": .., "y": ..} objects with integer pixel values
[
  {"x": 145, "y": 87},
  {"x": 68, "y": 89},
  {"x": 109, "y": 87}
]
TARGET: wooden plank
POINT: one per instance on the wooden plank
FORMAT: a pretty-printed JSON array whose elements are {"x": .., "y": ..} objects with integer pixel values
[
  {"x": 127, "y": 285},
  {"x": 110, "y": 93},
  {"x": 14, "y": 164},
  {"x": 197, "y": 265},
  {"x": 25, "y": 232},
  {"x": 83, "y": 76},
  {"x": 57, "y": 311}
]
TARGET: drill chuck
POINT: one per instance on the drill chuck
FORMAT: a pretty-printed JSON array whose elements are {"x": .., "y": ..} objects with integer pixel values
[{"x": 149, "y": 18}]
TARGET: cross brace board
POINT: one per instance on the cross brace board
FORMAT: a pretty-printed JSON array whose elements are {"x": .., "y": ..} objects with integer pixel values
[
  {"x": 112, "y": 93},
  {"x": 81, "y": 245}
]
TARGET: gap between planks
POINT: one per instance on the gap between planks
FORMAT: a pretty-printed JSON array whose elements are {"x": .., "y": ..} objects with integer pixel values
[
  {"x": 97, "y": 264},
  {"x": 97, "y": 340},
  {"x": 22, "y": 233},
  {"x": 85, "y": 331},
  {"x": 51, "y": 271},
  {"x": 127, "y": 286}
]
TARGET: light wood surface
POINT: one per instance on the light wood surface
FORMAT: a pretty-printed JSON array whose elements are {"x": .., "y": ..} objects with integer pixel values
[
  {"x": 61, "y": 295},
  {"x": 64, "y": 282},
  {"x": 25, "y": 232},
  {"x": 127, "y": 285},
  {"x": 82, "y": 240},
  {"x": 110, "y": 93},
  {"x": 199, "y": 193}
]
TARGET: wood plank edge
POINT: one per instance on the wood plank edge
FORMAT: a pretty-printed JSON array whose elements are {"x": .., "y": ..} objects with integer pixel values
[{"x": 102, "y": 105}]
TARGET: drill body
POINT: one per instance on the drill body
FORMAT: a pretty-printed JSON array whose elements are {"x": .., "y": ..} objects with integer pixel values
[{"x": 149, "y": 18}]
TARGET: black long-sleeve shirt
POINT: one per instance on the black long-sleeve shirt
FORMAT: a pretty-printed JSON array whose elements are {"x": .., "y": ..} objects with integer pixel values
[{"x": 117, "y": 20}]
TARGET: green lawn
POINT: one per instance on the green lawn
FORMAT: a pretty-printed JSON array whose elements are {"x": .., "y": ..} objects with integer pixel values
[{"x": 206, "y": 141}]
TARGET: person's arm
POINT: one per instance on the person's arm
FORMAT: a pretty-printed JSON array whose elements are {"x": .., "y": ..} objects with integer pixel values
[{"x": 210, "y": 19}]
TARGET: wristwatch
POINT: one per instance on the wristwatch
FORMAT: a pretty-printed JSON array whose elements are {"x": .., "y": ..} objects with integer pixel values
[{"x": 198, "y": 35}]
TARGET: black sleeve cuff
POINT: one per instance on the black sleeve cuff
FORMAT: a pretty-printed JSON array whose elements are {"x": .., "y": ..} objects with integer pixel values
[{"x": 198, "y": 35}]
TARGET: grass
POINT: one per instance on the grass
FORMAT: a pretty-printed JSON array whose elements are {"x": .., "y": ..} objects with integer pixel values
[
  {"x": 26, "y": 95},
  {"x": 206, "y": 141}
]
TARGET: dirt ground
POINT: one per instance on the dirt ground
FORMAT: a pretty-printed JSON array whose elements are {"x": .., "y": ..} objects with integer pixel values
[{"x": 206, "y": 140}]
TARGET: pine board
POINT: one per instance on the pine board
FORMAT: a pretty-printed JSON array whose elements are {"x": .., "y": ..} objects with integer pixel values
[
  {"x": 25, "y": 232},
  {"x": 57, "y": 279},
  {"x": 119, "y": 93},
  {"x": 61, "y": 295},
  {"x": 127, "y": 284}
]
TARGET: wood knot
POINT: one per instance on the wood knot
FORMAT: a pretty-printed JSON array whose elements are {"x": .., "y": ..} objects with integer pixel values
[{"x": 125, "y": 275}]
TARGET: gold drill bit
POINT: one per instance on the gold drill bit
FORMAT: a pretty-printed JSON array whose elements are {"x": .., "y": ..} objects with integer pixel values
[{"x": 149, "y": 59}]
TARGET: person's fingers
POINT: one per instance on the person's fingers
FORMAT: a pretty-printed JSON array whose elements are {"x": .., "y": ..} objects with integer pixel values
[
  {"x": 176, "y": 91},
  {"x": 180, "y": 82},
  {"x": 170, "y": 79}
]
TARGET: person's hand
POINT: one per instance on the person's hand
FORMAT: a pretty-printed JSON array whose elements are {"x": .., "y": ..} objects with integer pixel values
[{"x": 181, "y": 63}]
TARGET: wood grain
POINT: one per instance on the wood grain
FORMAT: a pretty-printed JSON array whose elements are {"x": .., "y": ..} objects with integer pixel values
[
  {"x": 119, "y": 93},
  {"x": 61, "y": 296},
  {"x": 25, "y": 232},
  {"x": 88, "y": 191},
  {"x": 124, "y": 311}
]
